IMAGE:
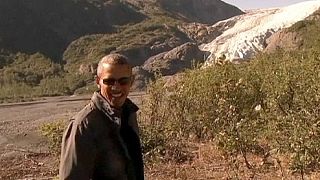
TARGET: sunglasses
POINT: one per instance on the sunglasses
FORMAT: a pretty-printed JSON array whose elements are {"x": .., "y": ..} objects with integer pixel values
[{"x": 112, "y": 81}]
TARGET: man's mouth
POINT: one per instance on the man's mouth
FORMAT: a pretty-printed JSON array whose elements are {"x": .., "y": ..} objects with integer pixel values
[{"x": 116, "y": 95}]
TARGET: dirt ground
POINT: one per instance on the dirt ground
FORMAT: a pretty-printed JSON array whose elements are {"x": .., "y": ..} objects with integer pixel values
[{"x": 24, "y": 153}]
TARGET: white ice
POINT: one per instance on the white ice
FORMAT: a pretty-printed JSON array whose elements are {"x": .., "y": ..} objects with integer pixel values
[{"x": 251, "y": 30}]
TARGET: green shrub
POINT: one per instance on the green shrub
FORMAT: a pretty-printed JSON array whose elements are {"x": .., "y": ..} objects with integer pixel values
[
  {"x": 293, "y": 108},
  {"x": 53, "y": 131},
  {"x": 269, "y": 104}
]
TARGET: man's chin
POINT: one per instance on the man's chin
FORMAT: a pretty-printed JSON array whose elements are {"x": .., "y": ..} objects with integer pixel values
[{"x": 117, "y": 104}]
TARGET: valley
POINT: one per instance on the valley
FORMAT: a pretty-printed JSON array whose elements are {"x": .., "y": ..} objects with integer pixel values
[{"x": 223, "y": 93}]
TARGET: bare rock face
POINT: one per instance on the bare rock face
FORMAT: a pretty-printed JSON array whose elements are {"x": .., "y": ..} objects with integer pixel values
[
  {"x": 283, "y": 39},
  {"x": 197, "y": 32},
  {"x": 202, "y": 33},
  {"x": 168, "y": 44},
  {"x": 138, "y": 55},
  {"x": 176, "y": 60},
  {"x": 315, "y": 16}
]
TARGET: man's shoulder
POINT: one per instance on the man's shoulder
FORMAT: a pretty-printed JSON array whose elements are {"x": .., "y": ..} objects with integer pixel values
[
  {"x": 88, "y": 121},
  {"x": 86, "y": 115}
]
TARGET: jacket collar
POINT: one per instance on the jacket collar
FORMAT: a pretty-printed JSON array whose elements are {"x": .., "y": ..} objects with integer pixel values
[{"x": 115, "y": 115}]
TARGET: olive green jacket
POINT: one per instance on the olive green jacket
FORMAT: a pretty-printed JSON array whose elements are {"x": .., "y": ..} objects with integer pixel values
[{"x": 102, "y": 144}]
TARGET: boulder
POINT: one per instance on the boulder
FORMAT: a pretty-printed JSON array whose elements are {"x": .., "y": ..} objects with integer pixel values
[
  {"x": 283, "y": 39},
  {"x": 175, "y": 60},
  {"x": 168, "y": 44}
]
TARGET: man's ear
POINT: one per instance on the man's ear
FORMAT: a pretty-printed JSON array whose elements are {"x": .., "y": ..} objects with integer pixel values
[{"x": 97, "y": 80}]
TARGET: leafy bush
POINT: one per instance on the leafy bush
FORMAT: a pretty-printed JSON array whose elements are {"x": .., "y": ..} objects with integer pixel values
[
  {"x": 270, "y": 104},
  {"x": 293, "y": 108}
]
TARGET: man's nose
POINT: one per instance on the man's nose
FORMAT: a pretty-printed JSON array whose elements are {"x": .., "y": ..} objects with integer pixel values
[{"x": 116, "y": 85}]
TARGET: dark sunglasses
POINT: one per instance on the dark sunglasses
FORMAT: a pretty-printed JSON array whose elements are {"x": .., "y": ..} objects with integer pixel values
[{"x": 112, "y": 81}]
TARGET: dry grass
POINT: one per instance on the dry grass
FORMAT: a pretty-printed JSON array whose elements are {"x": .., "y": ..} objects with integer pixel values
[{"x": 212, "y": 163}]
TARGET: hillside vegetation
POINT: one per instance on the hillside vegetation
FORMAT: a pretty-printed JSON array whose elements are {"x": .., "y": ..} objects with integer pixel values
[
  {"x": 262, "y": 115},
  {"x": 135, "y": 38},
  {"x": 70, "y": 36},
  {"x": 266, "y": 109},
  {"x": 48, "y": 26},
  {"x": 65, "y": 78}
]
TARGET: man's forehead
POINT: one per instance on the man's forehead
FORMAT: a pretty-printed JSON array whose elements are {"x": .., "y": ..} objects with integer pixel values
[{"x": 116, "y": 69}]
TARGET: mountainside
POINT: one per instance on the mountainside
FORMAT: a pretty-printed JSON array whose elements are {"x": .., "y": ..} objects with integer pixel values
[
  {"x": 48, "y": 26},
  {"x": 245, "y": 35},
  {"x": 68, "y": 37},
  {"x": 52, "y": 47},
  {"x": 203, "y": 11}
]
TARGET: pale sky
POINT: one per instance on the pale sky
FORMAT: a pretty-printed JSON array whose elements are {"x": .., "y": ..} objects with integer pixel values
[{"x": 255, "y": 4}]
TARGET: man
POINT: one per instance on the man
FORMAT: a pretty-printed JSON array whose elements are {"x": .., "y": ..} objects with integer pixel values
[{"x": 102, "y": 141}]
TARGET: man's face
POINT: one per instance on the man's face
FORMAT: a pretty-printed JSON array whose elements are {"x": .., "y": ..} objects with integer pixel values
[{"x": 115, "y": 82}]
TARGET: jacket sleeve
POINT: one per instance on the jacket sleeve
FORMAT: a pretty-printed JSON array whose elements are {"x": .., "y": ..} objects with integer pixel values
[
  {"x": 134, "y": 146},
  {"x": 132, "y": 121},
  {"x": 78, "y": 153}
]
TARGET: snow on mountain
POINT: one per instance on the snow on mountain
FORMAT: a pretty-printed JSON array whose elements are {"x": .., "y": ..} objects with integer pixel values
[{"x": 250, "y": 31}]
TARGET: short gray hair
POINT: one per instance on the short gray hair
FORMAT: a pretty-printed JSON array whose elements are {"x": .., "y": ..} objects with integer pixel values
[{"x": 114, "y": 59}]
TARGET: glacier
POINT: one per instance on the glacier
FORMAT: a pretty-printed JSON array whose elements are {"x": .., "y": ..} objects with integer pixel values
[{"x": 249, "y": 33}]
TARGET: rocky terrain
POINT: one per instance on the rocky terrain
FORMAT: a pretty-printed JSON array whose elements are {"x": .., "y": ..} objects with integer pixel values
[
  {"x": 295, "y": 37},
  {"x": 75, "y": 34},
  {"x": 60, "y": 22},
  {"x": 154, "y": 34}
]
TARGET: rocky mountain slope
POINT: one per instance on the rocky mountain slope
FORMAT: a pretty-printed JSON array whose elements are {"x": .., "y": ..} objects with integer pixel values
[
  {"x": 48, "y": 26},
  {"x": 302, "y": 35},
  {"x": 52, "y": 47},
  {"x": 72, "y": 35},
  {"x": 203, "y": 11}
]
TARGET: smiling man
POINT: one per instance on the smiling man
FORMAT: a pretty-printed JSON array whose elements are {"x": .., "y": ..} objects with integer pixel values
[{"x": 102, "y": 140}]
